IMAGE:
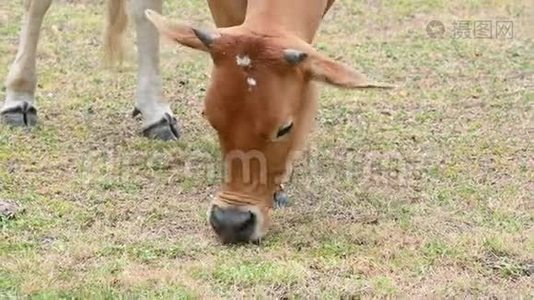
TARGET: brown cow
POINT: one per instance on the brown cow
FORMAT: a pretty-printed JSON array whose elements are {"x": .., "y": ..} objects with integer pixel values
[{"x": 261, "y": 99}]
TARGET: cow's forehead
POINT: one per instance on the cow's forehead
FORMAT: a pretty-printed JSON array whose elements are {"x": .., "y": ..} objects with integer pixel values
[
  {"x": 246, "y": 85},
  {"x": 244, "y": 98},
  {"x": 249, "y": 49}
]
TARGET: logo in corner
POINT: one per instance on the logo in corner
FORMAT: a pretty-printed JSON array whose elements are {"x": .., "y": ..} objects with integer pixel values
[{"x": 435, "y": 29}]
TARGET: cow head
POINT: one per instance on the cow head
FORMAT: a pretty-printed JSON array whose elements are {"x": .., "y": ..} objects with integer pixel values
[{"x": 261, "y": 103}]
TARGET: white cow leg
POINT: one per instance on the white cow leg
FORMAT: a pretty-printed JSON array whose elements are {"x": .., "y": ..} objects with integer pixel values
[
  {"x": 18, "y": 108},
  {"x": 158, "y": 120}
]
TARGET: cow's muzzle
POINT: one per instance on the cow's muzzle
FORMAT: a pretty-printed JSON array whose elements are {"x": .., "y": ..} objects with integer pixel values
[{"x": 233, "y": 225}]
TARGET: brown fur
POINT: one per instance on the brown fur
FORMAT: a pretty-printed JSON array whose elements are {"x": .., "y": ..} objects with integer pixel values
[{"x": 247, "y": 117}]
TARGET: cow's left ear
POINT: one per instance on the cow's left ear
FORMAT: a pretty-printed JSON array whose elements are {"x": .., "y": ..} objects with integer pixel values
[
  {"x": 324, "y": 69},
  {"x": 185, "y": 35}
]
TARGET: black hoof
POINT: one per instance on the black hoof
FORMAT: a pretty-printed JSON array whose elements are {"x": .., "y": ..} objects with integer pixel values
[
  {"x": 136, "y": 112},
  {"x": 281, "y": 199},
  {"x": 166, "y": 129},
  {"x": 24, "y": 115}
]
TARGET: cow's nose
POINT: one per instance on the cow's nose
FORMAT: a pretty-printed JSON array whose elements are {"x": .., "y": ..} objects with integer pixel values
[{"x": 232, "y": 225}]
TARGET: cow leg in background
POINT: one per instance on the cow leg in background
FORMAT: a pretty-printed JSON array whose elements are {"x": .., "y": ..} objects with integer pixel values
[
  {"x": 280, "y": 198},
  {"x": 18, "y": 108},
  {"x": 227, "y": 13},
  {"x": 158, "y": 120}
]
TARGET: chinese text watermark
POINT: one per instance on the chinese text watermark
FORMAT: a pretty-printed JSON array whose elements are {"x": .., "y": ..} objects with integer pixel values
[{"x": 471, "y": 29}]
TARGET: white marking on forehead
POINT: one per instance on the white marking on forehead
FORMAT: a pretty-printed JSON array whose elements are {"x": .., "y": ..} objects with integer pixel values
[
  {"x": 243, "y": 61},
  {"x": 251, "y": 81}
]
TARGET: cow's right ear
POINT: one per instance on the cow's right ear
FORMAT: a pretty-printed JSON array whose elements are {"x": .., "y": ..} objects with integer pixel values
[
  {"x": 183, "y": 34},
  {"x": 322, "y": 68}
]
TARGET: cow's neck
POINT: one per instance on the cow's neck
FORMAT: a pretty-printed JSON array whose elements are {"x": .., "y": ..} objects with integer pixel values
[{"x": 301, "y": 17}]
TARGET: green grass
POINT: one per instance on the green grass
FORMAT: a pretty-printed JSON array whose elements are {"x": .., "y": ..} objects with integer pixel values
[{"x": 424, "y": 190}]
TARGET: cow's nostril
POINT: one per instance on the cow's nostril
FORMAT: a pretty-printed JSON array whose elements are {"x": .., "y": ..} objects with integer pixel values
[
  {"x": 232, "y": 225},
  {"x": 248, "y": 223}
]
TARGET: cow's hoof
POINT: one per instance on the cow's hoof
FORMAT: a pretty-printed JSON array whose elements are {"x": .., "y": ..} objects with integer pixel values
[
  {"x": 167, "y": 129},
  {"x": 281, "y": 199},
  {"x": 23, "y": 115}
]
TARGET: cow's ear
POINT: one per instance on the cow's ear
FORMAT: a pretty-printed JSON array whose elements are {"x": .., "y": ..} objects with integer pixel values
[
  {"x": 185, "y": 35},
  {"x": 324, "y": 69}
]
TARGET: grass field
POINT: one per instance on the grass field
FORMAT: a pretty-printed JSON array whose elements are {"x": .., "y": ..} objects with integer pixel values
[{"x": 425, "y": 190}]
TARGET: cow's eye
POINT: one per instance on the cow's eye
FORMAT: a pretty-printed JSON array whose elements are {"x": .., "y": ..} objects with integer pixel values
[{"x": 284, "y": 130}]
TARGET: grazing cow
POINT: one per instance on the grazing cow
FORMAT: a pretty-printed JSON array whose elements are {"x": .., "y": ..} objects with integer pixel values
[
  {"x": 19, "y": 109},
  {"x": 261, "y": 99}
]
